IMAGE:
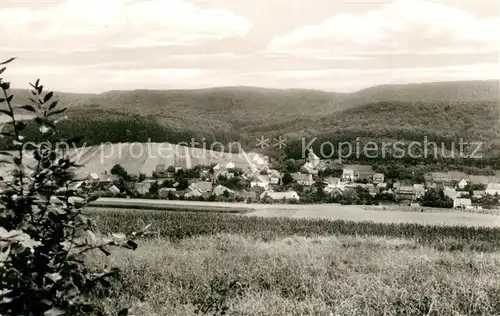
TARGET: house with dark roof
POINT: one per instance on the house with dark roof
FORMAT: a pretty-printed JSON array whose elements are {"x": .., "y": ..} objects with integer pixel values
[
  {"x": 440, "y": 179},
  {"x": 359, "y": 172},
  {"x": 405, "y": 193}
]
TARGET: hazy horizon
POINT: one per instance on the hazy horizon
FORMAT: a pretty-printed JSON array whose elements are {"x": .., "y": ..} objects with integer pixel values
[
  {"x": 93, "y": 46},
  {"x": 269, "y": 88}
]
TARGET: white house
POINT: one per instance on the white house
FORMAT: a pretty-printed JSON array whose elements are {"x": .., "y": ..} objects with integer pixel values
[
  {"x": 419, "y": 190},
  {"x": 220, "y": 189},
  {"x": 309, "y": 168},
  {"x": 279, "y": 196},
  {"x": 477, "y": 194},
  {"x": 143, "y": 187},
  {"x": 462, "y": 203},
  {"x": 193, "y": 193},
  {"x": 378, "y": 178},
  {"x": 305, "y": 179},
  {"x": 348, "y": 175},
  {"x": 202, "y": 186},
  {"x": 493, "y": 188},
  {"x": 114, "y": 189},
  {"x": 230, "y": 165},
  {"x": 451, "y": 193},
  {"x": 462, "y": 183},
  {"x": 217, "y": 167},
  {"x": 260, "y": 181},
  {"x": 313, "y": 159},
  {"x": 332, "y": 183}
]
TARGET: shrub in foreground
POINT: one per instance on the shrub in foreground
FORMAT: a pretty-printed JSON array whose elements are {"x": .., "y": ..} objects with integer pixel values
[{"x": 43, "y": 234}]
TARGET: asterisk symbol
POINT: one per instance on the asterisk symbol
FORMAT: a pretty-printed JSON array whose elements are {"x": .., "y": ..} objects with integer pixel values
[
  {"x": 280, "y": 142},
  {"x": 262, "y": 142}
]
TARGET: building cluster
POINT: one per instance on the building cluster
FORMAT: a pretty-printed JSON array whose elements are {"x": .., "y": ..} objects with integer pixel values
[{"x": 257, "y": 180}]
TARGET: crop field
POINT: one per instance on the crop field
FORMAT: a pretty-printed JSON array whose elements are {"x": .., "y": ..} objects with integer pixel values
[
  {"x": 391, "y": 214},
  {"x": 400, "y": 215},
  {"x": 183, "y": 224},
  {"x": 286, "y": 266},
  {"x": 144, "y": 157}
]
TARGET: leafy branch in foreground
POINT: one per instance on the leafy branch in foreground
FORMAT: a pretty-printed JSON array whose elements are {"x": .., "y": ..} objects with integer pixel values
[{"x": 44, "y": 237}]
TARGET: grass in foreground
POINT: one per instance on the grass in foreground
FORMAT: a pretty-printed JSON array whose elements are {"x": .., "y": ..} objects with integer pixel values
[{"x": 306, "y": 276}]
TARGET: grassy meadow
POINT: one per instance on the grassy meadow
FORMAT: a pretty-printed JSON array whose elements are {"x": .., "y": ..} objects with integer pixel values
[{"x": 285, "y": 266}]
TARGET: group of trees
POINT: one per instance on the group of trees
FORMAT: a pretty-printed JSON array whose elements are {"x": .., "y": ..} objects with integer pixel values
[{"x": 436, "y": 198}]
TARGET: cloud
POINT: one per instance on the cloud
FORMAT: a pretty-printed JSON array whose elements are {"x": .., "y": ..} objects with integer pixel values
[
  {"x": 99, "y": 79},
  {"x": 95, "y": 24},
  {"x": 402, "y": 26}
]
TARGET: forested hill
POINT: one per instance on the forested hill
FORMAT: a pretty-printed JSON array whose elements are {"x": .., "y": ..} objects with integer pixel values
[{"x": 441, "y": 110}]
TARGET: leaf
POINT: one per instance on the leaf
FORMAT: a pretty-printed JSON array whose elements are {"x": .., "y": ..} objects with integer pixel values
[
  {"x": 17, "y": 143},
  {"x": 132, "y": 244},
  {"x": 2, "y": 70},
  {"x": 48, "y": 96},
  {"x": 2, "y": 100},
  {"x": 7, "y": 61},
  {"x": 39, "y": 89},
  {"x": 5, "y": 153},
  {"x": 57, "y": 112},
  {"x": 20, "y": 125},
  {"x": 119, "y": 235},
  {"x": 93, "y": 198},
  {"x": 92, "y": 236},
  {"x": 37, "y": 82},
  {"x": 5, "y": 85},
  {"x": 28, "y": 108},
  {"x": 54, "y": 277},
  {"x": 49, "y": 124},
  {"x": 10, "y": 97},
  {"x": 9, "y": 113},
  {"x": 123, "y": 312},
  {"x": 54, "y": 311},
  {"x": 53, "y": 105},
  {"x": 107, "y": 253}
]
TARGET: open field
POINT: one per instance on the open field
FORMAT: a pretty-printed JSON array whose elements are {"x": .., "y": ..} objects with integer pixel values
[
  {"x": 283, "y": 266},
  {"x": 322, "y": 211},
  {"x": 144, "y": 157}
]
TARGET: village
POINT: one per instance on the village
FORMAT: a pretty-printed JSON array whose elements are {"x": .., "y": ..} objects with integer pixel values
[{"x": 316, "y": 181}]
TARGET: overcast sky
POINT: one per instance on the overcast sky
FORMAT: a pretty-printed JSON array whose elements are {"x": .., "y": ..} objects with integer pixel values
[{"x": 99, "y": 45}]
